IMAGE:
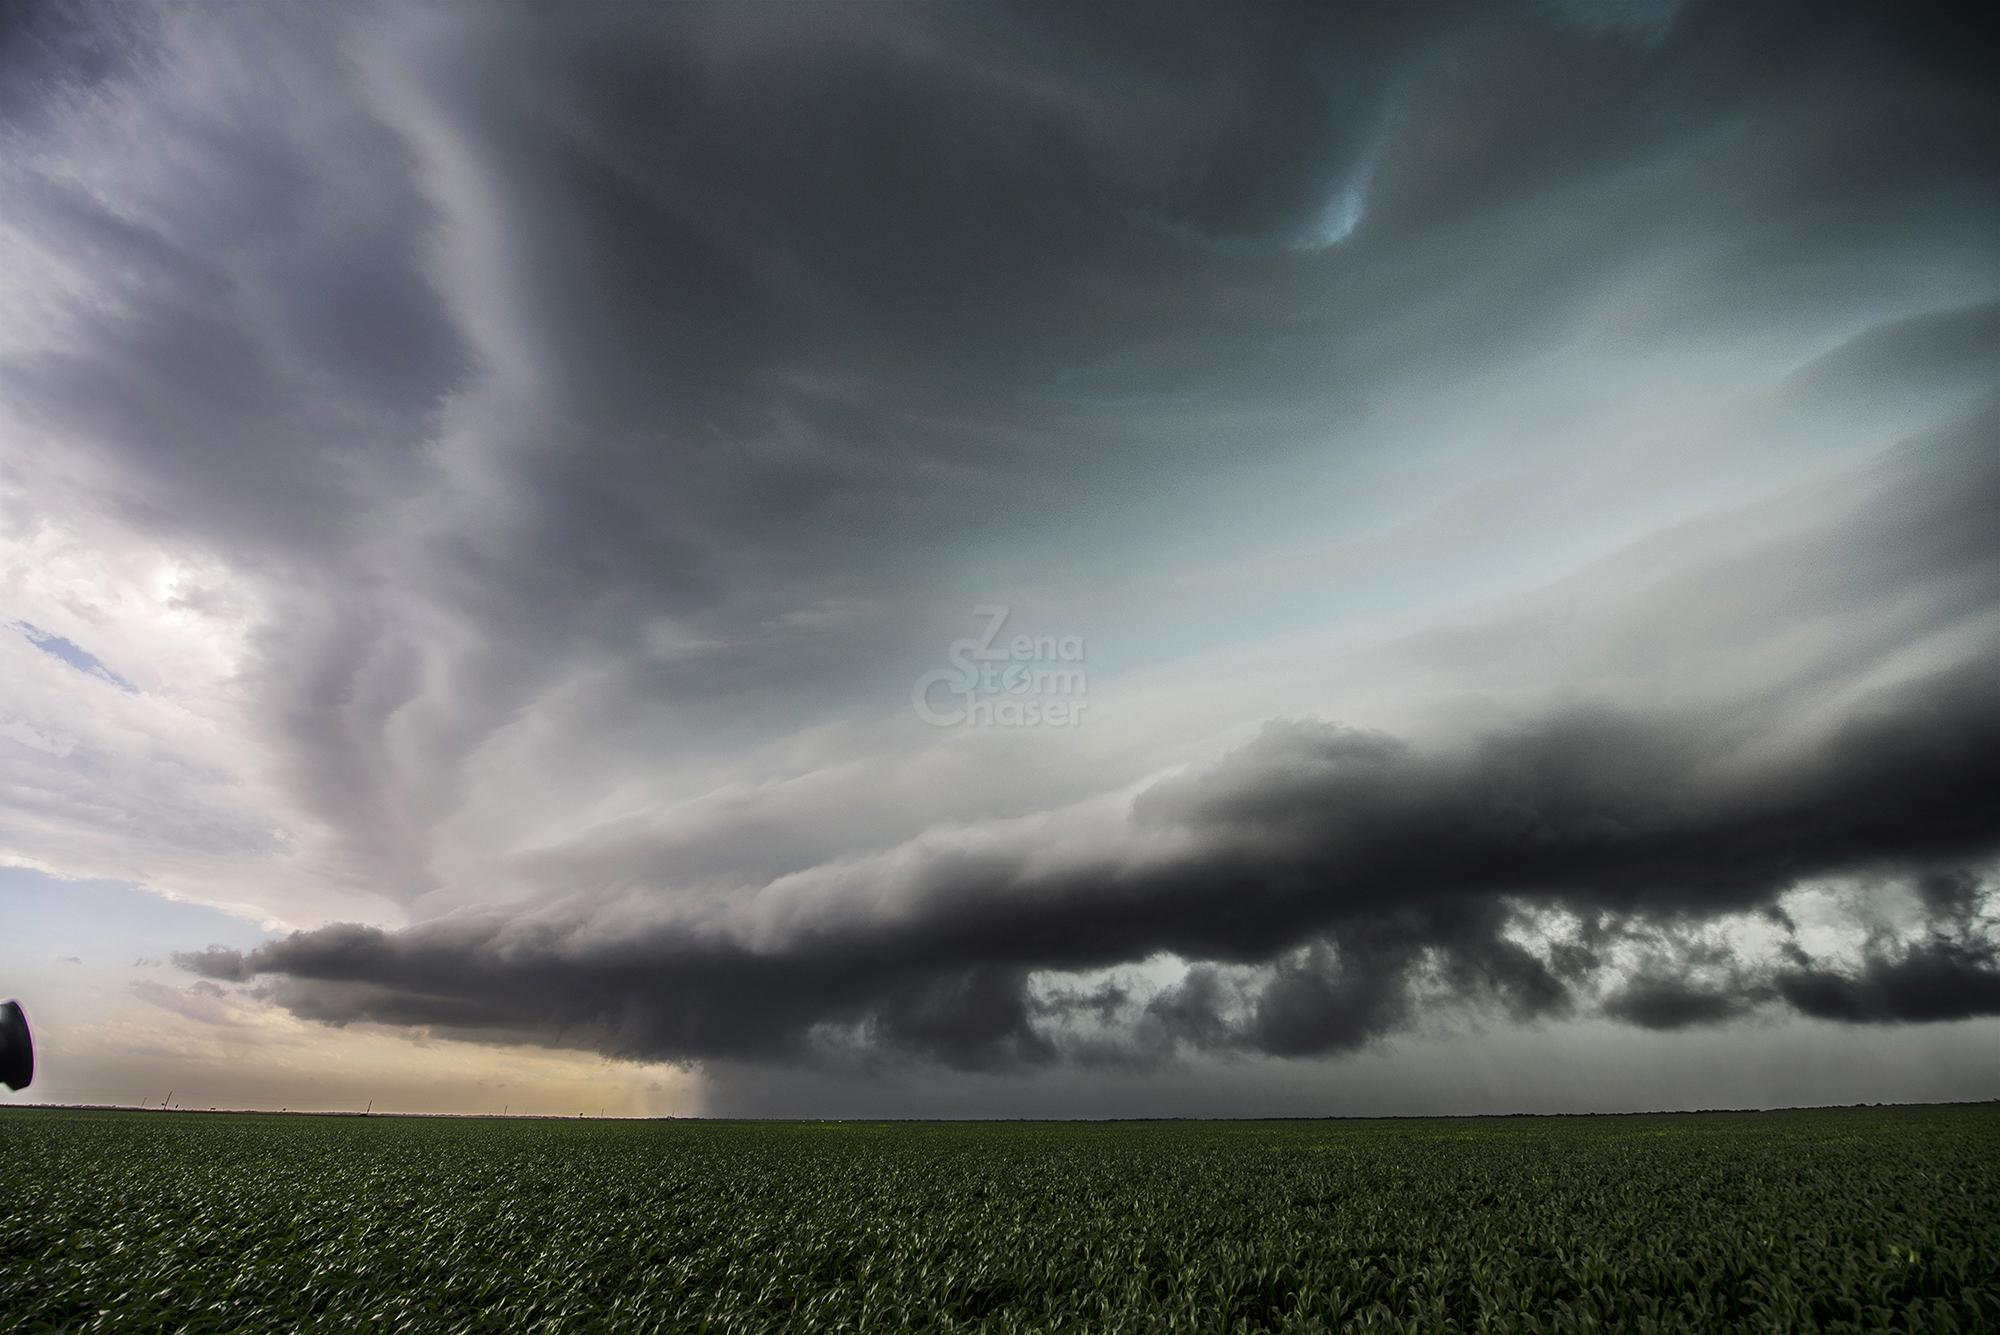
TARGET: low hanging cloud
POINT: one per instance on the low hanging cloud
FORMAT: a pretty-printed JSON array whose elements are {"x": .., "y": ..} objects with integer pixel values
[
  {"x": 1946, "y": 973},
  {"x": 1355, "y": 871}
]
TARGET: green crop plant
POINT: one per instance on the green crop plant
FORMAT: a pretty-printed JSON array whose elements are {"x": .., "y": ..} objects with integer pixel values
[{"x": 1851, "y": 1219}]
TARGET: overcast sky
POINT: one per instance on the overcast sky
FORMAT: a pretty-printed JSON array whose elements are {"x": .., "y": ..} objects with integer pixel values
[{"x": 1001, "y": 558}]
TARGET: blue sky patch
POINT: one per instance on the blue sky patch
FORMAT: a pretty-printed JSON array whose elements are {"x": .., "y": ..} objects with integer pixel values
[{"x": 73, "y": 654}]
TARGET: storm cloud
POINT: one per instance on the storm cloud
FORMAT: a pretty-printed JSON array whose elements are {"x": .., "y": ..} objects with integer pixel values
[
  {"x": 478, "y": 485},
  {"x": 1359, "y": 871}
]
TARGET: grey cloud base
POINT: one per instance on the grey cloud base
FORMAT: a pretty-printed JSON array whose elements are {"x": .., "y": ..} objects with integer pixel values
[{"x": 1359, "y": 872}]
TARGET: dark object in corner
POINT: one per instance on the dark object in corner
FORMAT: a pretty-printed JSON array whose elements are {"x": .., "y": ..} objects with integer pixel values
[{"x": 17, "y": 1049}]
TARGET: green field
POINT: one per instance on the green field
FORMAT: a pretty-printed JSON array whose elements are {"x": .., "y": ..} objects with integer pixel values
[{"x": 1834, "y": 1219}]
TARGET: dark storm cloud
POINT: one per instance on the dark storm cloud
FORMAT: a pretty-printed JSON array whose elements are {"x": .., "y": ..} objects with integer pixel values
[
  {"x": 1949, "y": 971},
  {"x": 1657, "y": 1002},
  {"x": 893, "y": 299},
  {"x": 1622, "y": 813},
  {"x": 1930, "y": 980},
  {"x": 216, "y": 962},
  {"x": 1366, "y": 874},
  {"x": 643, "y": 380}
]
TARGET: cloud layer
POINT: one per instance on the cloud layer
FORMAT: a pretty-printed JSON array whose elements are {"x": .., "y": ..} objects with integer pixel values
[
  {"x": 481, "y": 484},
  {"x": 1358, "y": 872}
]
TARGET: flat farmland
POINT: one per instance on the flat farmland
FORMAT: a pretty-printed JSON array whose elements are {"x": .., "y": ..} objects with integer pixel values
[{"x": 1860, "y": 1218}]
